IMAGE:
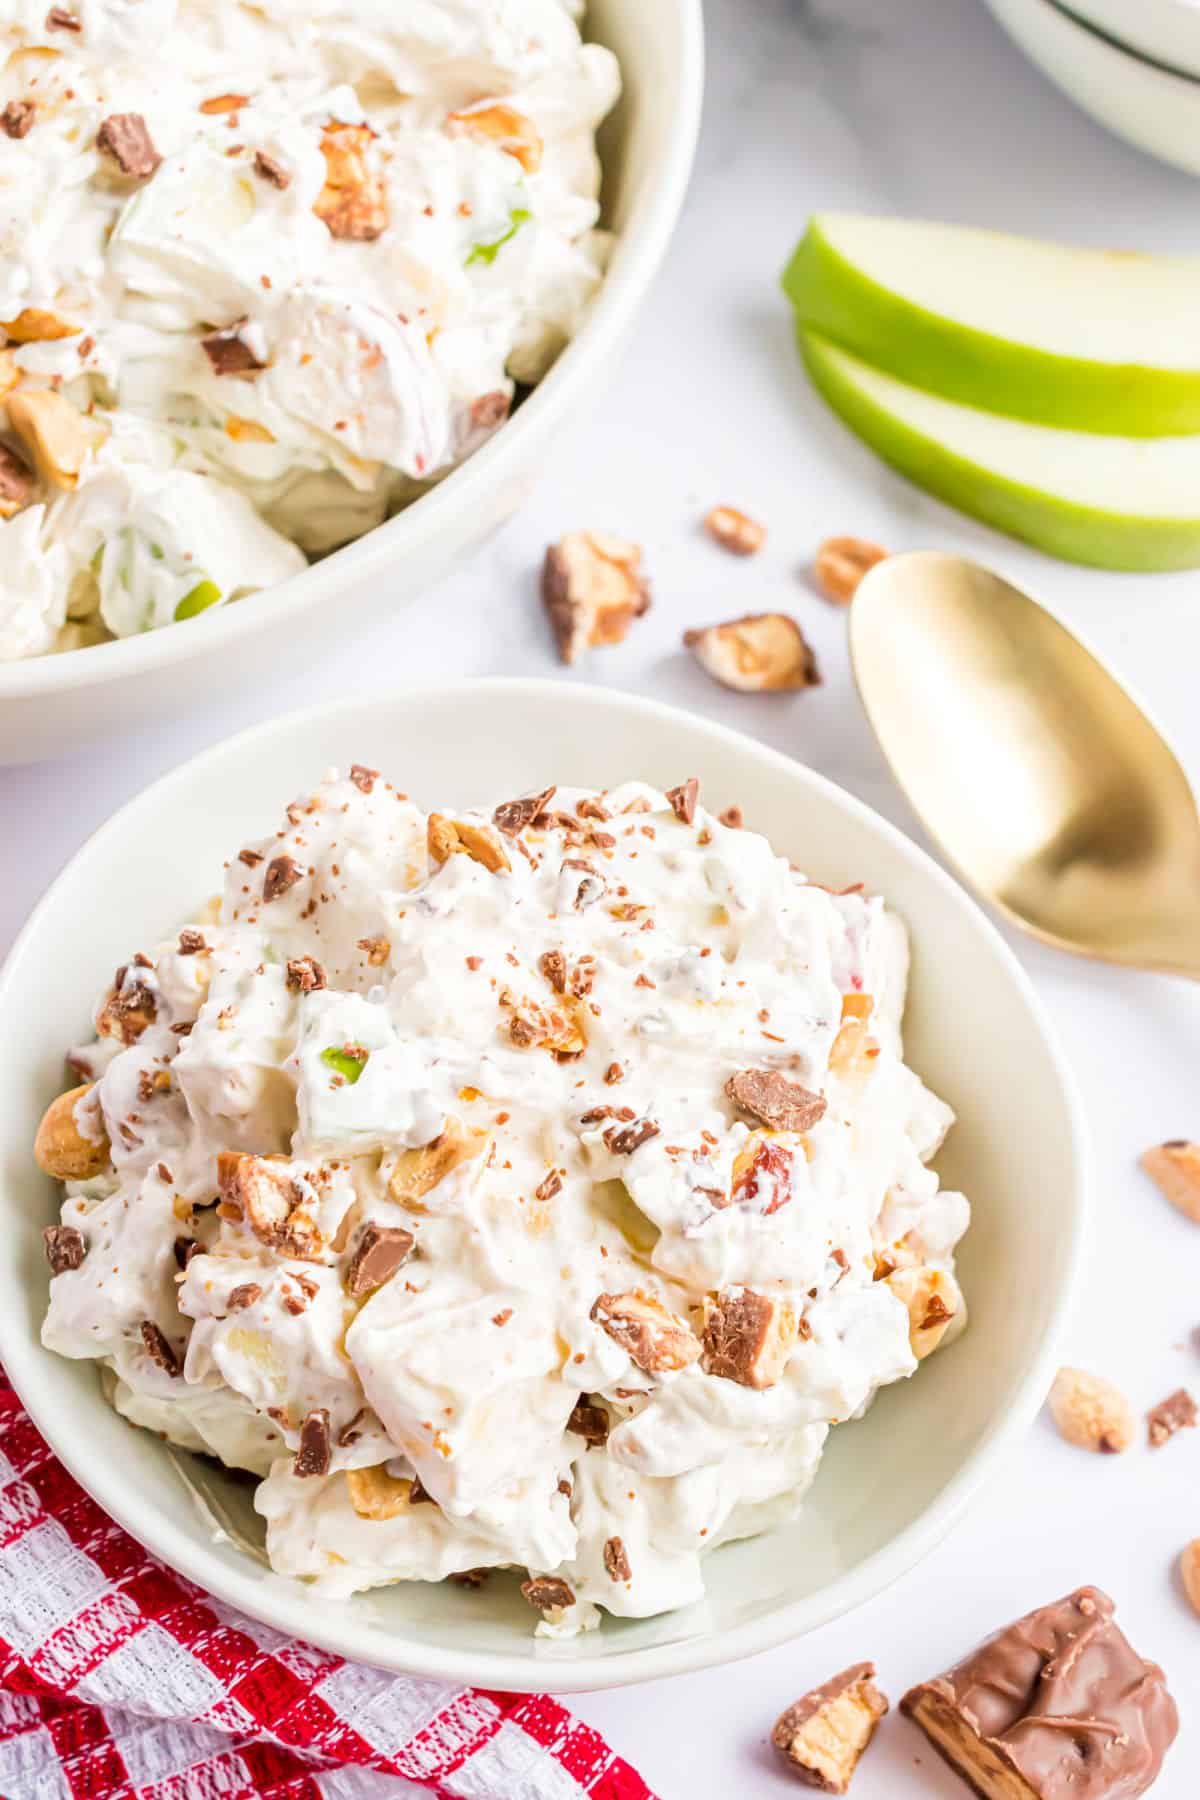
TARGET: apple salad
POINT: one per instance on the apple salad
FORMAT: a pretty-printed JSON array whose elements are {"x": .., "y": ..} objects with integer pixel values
[
  {"x": 265, "y": 273},
  {"x": 527, "y": 1188}
]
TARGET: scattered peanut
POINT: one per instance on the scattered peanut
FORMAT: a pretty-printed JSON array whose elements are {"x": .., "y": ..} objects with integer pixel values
[
  {"x": 1175, "y": 1167},
  {"x": 759, "y": 653},
  {"x": 374, "y": 1494},
  {"x": 1090, "y": 1412},
  {"x": 503, "y": 126},
  {"x": 1189, "y": 1571},
  {"x": 52, "y": 431},
  {"x": 451, "y": 837},
  {"x": 735, "y": 530},
  {"x": 841, "y": 563}
]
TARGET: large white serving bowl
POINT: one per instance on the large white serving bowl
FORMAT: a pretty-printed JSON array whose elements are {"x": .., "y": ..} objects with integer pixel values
[
  {"x": 1154, "y": 107},
  {"x": 1166, "y": 30},
  {"x": 891, "y": 1484},
  {"x": 55, "y": 703}
]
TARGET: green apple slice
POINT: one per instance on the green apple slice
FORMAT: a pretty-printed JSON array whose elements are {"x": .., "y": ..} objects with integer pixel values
[
  {"x": 1113, "y": 502},
  {"x": 1098, "y": 340}
]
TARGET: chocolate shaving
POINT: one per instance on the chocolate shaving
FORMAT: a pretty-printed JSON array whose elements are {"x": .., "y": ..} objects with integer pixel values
[
  {"x": 59, "y": 19},
  {"x": 616, "y": 1561},
  {"x": 1176, "y": 1413},
  {"x": 363, "y": 778},
  {"x": 251, "y": 858},
  {"x": 547, "y": 1593},
  {"x": 283, "y": 872},
  {"x": 550, "y": 1185},
  {"x": 158, "y": 1347},
  {"x": 589, "y": 1421},
  {"x": 126, "y": 138},
  {"x": 191, "y": 943},
  {"x": 64, "y": 1246},
  {"x": 683, "y": 800},
  {"x": 781, "y": 1104},
  {"x": 378, "y": 1254},
  {"x": 312, "y": 1458},
  {"x": 512, "y": 816},
  {"x": 229, "y": 353},
  {"x": 304, "y": 975},
  {"x": 271, "y": 170},
  {"x": 16, "y": 120}
]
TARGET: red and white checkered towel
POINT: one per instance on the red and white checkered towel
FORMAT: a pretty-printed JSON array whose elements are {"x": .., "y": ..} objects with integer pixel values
[{"x": 119, "y": 1680}]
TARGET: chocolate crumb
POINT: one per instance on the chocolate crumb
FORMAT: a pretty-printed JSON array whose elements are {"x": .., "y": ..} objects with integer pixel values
[
  {"x": 59, "y": 19},
  {"x": 304, "y": 975},
  {"x": 512, "y": 816},
  {"x": 283, "y": 872},
  {"x": 244, "y": 1295},
  {"x": 616, "y": 1561},
  {"x": 469, "y": 1578},
  {"x": 1176, "y": 1413},
  {"x": 363, "y": 778},
  {"x": 312, "y": 1458},
  {"x": 550, "y": 1185},
  {"x": 16, "y": 120},
  {"x": 191, "y": 943},
  {"x": 251, "y": 858},
  {"x": 126, "y": 138},
  {"x": 547, "y": 1593},
  {"x": 229, "y": 353},
  {"x": 683, "y": 800},
  {"x": 64, "y": 1246},
  {"x": 158, "y": 1347},
  {"x": 781, "y": 1104},
  {"x": 624, "y": 1143},
  {"x": 271, "y": 170},
  {"x": 589, "y": 1421}
]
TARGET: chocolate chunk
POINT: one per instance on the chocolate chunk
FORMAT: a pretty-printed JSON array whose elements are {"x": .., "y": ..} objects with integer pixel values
[
  {"x": 251, "y": 858},
  {"x": 748, "y": 1337},
  {"x": 191, "y": 943},
  {"x": 782, "y": 1104},
  {"x": 624, "y": 1143},
  {"x": 589, "y": 1421},
  {"x": 185, "y": 1248},
  {"x": 271, "y": 170},
  {"x": 418, "y": 1493},
  {"x": 616, "y": 1560},
  {"x": 16, "y": 120},
  {"x": 822, "y": 1735},
  {"x": 512, "y": 816},
  {"x": 312, "y": 1458},
  {"x": 283, "y": 872},
  {"x": 592, "y": 885},
  {"x": 304, "y": 975},
  {"x": 59, "y": 19},
  {"x": 158, "y": 1347},
  {"x": 547, "y": 1592},
  {"x": 126, "y": 138},
  {"x": 733, "y": 818},
  {"x": 64, "y": 1246},
  {"x": 363, "y": 778},
  {"x": 549, "y": 1185},
  {"x": 1057, "y": 1706},
  {"x": 1175, "y": 1413},
  {"x": 229, "y": 353},
  {"x": 378, "y": 1254},
  {"x": 683, "y": 800},
  {"x": 242, "y": 1296}
]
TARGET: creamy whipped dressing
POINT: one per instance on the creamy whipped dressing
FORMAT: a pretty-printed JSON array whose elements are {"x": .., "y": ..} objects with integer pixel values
[
  {"x": 389, "y": 211},
  {"x": 500, "y": 1049}
]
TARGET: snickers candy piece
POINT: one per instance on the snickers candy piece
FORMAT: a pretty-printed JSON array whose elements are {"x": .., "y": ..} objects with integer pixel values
[
  {"x": 312, "y": 1458},
  {"x": 822, "y": 1735},
  {"x": 378, "y": 1254},
  {"x": 1058, "y": 1706},
  {"x": 781, "y": 1104}
]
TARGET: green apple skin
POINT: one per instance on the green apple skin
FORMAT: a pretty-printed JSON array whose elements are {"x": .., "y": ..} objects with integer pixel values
[
  {"x": 948, "y": 356},
  {"x": 1062, "y": 528}
]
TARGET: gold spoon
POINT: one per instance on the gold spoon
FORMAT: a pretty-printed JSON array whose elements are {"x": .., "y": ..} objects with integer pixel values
[{"x": 1043, "y": 781}]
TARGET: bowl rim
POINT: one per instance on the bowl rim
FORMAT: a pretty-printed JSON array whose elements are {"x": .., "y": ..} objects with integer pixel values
[
  {"x": 292, "y": 1612},
  {"x": 1069, "y": 11},
  {"x": 641, "y": 246}
]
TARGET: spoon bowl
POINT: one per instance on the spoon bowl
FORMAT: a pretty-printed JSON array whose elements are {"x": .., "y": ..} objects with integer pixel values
[{"x": 1038, "y": 774}]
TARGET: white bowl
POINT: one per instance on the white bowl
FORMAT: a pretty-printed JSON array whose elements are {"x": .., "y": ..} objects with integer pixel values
[
  {"x": 52, "y": 704},
  {"x": 1156, "y": 108},
  {"x": 891, "y": 1484},
  {"x": 1166, "y": 30}
]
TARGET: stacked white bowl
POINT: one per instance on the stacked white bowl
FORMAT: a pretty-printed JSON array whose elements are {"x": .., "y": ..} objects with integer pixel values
[{"x": 1135, "y": 69}]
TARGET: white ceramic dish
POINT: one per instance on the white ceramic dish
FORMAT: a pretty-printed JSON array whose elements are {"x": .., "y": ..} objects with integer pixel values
[
  {"x": 1167, "y": 30},
  {"x": 52, "y": 704},
  {"x": 1153, "y": 107},
  {"x": 891, "y": 1485}
]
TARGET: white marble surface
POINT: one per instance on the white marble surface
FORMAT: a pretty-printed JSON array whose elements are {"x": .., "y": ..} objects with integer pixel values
[{"x": 922, "y": 107}]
